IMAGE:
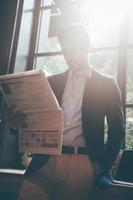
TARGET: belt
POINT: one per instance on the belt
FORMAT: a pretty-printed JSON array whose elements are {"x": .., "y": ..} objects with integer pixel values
[{"x": 74, "y": 150}]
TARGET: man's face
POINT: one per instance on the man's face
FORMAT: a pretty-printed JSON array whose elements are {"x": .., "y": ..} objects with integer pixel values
[{"x": 75, "y": 52}]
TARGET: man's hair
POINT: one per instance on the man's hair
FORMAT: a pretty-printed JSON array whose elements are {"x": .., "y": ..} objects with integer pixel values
[{"x": 75, "y": 30}]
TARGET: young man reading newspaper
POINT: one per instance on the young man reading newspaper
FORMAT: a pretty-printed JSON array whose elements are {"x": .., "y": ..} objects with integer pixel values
[{"x": 86, "y": 97}]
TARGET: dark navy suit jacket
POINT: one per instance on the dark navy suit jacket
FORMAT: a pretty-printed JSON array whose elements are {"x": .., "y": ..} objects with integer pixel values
[{"x": 101, "y": 98}]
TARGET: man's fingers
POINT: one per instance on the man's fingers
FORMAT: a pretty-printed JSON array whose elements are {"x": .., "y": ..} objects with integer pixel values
[
  {"x": 20, "y": 117},
  {"x": 16, "y": 121},
  {"x": 14, "y": 118},
  {"x": 16, "y": 114},
  {"x": 11, "y": 108}
]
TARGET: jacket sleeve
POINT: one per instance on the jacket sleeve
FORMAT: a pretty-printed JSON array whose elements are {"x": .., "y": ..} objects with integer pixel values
[{"x": 116, "y": 126}]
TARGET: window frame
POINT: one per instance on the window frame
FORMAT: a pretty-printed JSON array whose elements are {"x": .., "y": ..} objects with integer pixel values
[{"x": 122, "y": 49}]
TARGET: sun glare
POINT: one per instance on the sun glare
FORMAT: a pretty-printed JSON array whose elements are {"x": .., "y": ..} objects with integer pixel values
[
  {"x": 109, "y": 12},
  {"x": 105, "y": 17}
]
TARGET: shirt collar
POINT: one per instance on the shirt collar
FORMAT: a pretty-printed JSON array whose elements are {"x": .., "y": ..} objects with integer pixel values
[{"x": 87, "y": 72}]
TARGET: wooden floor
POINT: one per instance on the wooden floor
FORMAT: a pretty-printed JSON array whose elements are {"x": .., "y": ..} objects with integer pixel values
[{"x": 10, "y": 185}]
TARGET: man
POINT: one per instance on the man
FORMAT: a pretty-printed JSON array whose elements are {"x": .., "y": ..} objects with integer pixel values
[{"x": 86, "y": 97}]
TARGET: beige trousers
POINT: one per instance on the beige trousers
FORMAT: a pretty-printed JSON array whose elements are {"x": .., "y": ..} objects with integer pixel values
[{"x": 66, "y": 177}]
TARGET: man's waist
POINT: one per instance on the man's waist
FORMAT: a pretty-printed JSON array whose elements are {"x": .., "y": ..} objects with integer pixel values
[{"x": 74, "y": 150}]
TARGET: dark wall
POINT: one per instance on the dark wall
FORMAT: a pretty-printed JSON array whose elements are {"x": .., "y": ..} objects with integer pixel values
[
  {"x": 8, "y": 142},
  {"x": 7, "y": 19}
]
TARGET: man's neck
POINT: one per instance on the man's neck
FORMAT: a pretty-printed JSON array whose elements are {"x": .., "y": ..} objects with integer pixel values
[{"x": 81, "y": 71}]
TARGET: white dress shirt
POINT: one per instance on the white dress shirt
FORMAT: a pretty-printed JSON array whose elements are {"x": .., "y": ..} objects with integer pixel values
[{"x": 72, "y": 107}]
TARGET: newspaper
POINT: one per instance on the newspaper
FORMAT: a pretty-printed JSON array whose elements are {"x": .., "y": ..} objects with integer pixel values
[{"x": 42, "y": 130}]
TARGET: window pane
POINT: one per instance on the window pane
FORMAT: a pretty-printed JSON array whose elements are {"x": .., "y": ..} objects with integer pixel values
[
  {"x": 103, "y": 26},
  {"x": 52, "y": 45},
  {"x": 46, "y": 2},
  {"x": 51, "y": 64},
  {"x": 129, "y": 128},
  {"x": 29, "y": 5},
  {"x": 43, "y": 31},
  {"x": 103, "y": 36},
  {"x": 105, "y": 62},
  {"x": 130, "y": 29},
  {"x": 130, "y": 76},
  {"x": 24, "y": 37}
]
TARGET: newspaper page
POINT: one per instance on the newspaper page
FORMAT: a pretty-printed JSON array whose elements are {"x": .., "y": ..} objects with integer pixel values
[{"x": 42, "y": 129}]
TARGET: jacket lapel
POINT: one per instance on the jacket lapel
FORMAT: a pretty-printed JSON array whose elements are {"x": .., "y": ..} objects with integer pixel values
[{"x": 57, "y": 83}]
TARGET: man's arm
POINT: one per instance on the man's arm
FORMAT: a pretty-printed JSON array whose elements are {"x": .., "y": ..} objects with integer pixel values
[
  {"x": 116, "y": 127},
  {"x": 116, "y": 134}
]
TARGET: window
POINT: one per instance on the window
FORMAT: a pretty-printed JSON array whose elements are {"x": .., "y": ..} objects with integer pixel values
[
  {"x": 24, "y": 36},
  {"x": 111, "y": 40}
]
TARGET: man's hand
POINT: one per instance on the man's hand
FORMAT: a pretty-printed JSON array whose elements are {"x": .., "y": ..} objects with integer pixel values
[
  {"x": 97, "y": 169},
  {"x": 13, "y": 117}
]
